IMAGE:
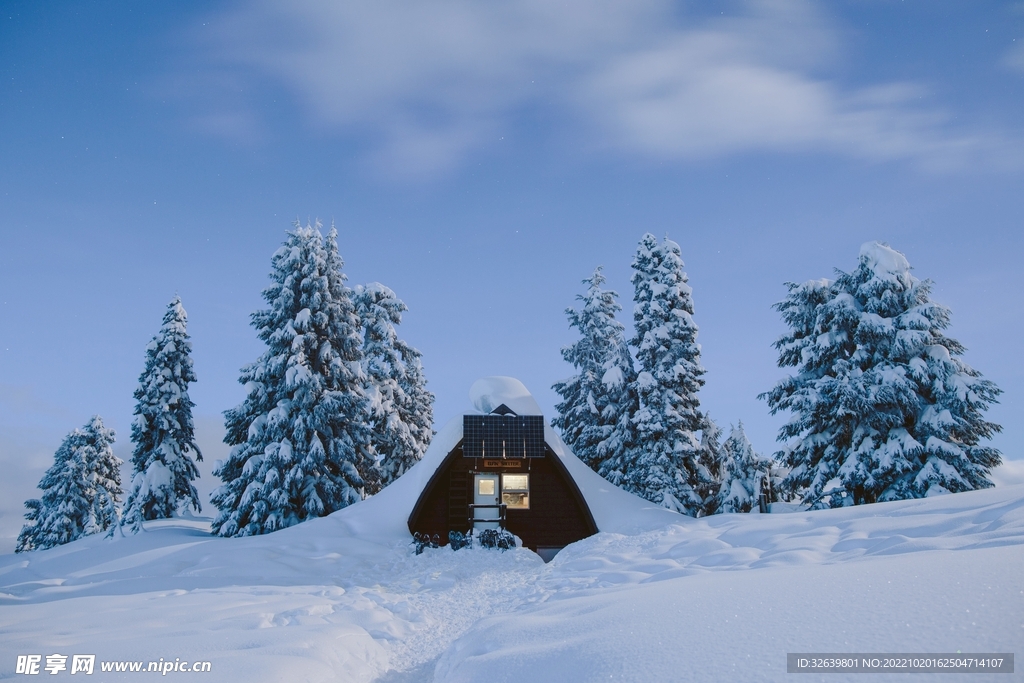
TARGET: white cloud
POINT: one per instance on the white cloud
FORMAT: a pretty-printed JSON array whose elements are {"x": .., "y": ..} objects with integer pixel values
[
  {"x": 700, "y": 95},
  {"x": 422, "y": 85}
]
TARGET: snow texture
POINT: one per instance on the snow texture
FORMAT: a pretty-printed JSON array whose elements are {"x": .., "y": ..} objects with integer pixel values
[
  {"x": 163, "y": 432},
  {"x": 334, "y": 599}
]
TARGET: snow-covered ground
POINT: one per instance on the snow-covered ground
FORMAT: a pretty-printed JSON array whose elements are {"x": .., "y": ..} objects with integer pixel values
[
  {"x": 721, "y": 598},
  {"x": 653, "y": 597}
]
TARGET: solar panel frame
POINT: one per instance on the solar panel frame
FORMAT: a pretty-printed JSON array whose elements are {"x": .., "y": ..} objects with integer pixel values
[{"x": 503, "y": 436}]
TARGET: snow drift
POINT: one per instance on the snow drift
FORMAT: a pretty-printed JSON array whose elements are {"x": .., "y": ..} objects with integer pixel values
[{"x": 654, "y": 596}]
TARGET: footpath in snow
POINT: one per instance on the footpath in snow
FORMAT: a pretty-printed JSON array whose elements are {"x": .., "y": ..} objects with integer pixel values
[{"x": 721, "y": 598}]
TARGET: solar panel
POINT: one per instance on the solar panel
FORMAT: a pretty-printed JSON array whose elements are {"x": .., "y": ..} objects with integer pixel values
[{"x": 503, "y": 436}]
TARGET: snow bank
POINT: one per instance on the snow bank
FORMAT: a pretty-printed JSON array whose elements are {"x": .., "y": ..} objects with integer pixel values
[
  {"x": 728, "y": 596},
  {"x": 719, "y": 598},
  {"x": 655, "y": 596},
  {"x": 738, "y": 626}
]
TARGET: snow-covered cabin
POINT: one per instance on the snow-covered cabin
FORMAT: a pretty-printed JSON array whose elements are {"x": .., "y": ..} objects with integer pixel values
[{"x": 505, "y": 471}]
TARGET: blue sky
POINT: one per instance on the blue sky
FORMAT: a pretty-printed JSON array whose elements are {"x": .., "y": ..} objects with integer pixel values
[{"x": 481, "y": 159}]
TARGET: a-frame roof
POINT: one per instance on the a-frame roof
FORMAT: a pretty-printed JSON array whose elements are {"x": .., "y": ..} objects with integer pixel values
[{"x": 613, "y": 509}]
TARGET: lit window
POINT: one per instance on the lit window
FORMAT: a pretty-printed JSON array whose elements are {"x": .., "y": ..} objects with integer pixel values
[
  {"x": 515, "y": 491},
  {"x": 486, "y": 487}
]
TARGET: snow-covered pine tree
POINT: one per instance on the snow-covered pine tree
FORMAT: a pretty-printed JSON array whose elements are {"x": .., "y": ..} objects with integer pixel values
[
  {"x": 81, "y": 491},
  {"x": 882, "y": 406},
  {"x": 741, "y": 475},
  {"x": 300, "y": 439},
  {"x": 711, "y": 455},
  {"x": 598, "y": 403},
  {"x": 401, "y": 408},
  {"x": 102, "y": 476},
  {"x": 668, "y": 469},
  {"x": 62, "y": 515},
  {"x": 163, "y": 432},
  {"x": 350, "y": 348},
  {"x": 418, "y": 406}
]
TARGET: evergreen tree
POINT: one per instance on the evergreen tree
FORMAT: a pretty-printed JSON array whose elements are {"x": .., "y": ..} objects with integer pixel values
[
  {"x": 163, "y": 432},
  {"x": 401, "y": 408},
  {"x": 81, "y": 491},
  {"x": 668, "y": 469},
  {"x": 711, "y": 456},
  {"x": 742, "y": 473},
  {"x": 353, "y": 399},
  {"x": 418, "y": 409},
  {"x": 300, "y": 438},
  {"x": 882, "y": 406},
  {"x": 598, "y": 403},
  {"x": 103, "y": 476}
]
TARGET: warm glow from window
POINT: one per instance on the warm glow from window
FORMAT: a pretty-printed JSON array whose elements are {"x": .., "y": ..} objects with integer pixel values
[
  {"x": 486, "y": 487},
  {"x": 515, "y": 491}
]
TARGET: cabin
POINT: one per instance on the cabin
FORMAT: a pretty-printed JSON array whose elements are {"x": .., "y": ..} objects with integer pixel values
[{"x": 502, "y": 473}]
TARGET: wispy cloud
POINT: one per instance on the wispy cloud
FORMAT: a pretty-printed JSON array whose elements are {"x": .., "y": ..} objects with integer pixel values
[{"x": 422, "y": 85}]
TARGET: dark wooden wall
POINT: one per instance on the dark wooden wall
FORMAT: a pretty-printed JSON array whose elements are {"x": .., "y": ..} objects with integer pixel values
[{"x": 558, "y": 514}]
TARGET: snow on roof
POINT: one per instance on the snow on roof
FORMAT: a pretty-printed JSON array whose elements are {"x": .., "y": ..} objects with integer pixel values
[
  {"x": 386, "y": 514},
  {"x": 488, "y": 393},
  {"x": 884, "y": 261}
]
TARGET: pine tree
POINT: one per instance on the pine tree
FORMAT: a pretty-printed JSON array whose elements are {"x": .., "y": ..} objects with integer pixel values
[
  {"x": 668, "y": 469},
  {"x": 882, "y": 406},
  {"x": 598, "y": 403},
  {"x": 711, "y": 456},
  {"x": 102, "y": 475},
  {"x": 742, "y": 474},
  {"x": 300, "y": 438},
  {"x": 348, "y": 345},
  {"x": 163, "y": 432},
  {"x": 418, "y": 406},
  {"x": 81, "y": 491},
  {"x": 401, "y": 408}
]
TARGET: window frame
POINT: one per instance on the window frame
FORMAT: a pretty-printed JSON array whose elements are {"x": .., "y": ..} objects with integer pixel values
[{"x": 514, "y": 491}]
